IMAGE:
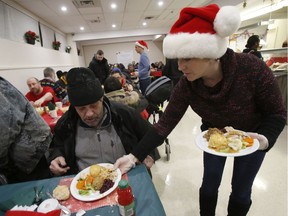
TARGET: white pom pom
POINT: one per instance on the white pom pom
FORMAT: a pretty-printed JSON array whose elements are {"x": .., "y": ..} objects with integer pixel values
[{"x": 227, "y": 21}]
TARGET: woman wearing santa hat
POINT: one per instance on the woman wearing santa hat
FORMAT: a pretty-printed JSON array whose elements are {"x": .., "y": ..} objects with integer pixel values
[
  {"x": 225, "y": 89},
  {"x": 144, "y": 65}
]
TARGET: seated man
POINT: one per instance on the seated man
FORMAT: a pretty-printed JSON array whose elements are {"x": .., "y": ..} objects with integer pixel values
[
  {"x": 50, "y": 81},
  {"x": 24, "y": 138},
  {"x": 93, "y": 130},
  {"x": 115, "y": 92},
  {"x": 39, "y": 95},
  {"x": 116, "y": 72},
  {"x": 62, "y": 78}
]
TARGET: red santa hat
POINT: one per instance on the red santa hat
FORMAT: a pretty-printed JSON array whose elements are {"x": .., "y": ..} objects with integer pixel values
[
  {"x": 142, "y": 44},
  {"x": 201, "y": 32}
]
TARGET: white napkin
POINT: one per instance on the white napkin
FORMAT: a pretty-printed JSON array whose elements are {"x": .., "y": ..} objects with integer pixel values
[{"x": 25, "y": 208}]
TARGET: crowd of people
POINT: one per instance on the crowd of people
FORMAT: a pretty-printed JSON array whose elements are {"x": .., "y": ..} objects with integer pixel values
[{"x": 105, "y": 121}]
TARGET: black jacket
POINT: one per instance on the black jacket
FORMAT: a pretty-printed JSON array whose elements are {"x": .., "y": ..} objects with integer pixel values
[
  {"x": 100, "y": 68},
  {"x": 129, "y": 125}
]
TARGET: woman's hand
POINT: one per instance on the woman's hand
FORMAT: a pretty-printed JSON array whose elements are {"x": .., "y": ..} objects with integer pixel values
[
  {"x": 125, "y": 163},
  {"x": 58, "y": 166},
  {"x": 262, "y": 140}
]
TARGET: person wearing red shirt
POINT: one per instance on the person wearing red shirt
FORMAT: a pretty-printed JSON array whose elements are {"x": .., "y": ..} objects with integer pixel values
[{"x": 39, "y": 95}]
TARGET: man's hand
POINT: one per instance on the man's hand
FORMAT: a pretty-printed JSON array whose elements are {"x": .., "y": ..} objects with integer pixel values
[
  {"x": 38, "y": 102},
  {"x": 148, "y": 161},
  {"x": 262, "y": 140},
  {"x": 58, "y": 166},
  {"x": 125, "y": 163}
]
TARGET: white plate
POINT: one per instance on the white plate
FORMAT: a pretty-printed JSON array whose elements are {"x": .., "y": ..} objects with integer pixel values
[
  {"x": 93, "y": 195},
  {"x": 203, "y": 144}
]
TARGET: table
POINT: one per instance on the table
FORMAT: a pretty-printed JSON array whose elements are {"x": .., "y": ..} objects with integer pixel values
[
  {"x": 157, "y": 73},
  {"x": 147, "y": 200},
  {"x": 51, "y": 121}
]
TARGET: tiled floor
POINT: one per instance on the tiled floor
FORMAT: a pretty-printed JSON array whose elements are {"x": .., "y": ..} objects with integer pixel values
[{"x": 178, "y": 180}]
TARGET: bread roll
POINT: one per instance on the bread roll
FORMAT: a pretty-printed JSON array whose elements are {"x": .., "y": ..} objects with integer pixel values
[{"x": 61, "y": 192}]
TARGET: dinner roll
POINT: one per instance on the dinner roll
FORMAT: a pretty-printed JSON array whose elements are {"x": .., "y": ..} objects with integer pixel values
[{"x": 61, "y": 192}]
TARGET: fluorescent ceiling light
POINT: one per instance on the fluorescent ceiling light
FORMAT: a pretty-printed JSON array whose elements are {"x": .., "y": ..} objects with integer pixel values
[
  {"x": 113, "y": 5},
  {"x": 263, "y": 10},
  {"x": 64, "y": 8}
]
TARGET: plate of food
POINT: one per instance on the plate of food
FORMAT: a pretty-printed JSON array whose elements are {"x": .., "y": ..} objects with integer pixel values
[
  {"x": 228, "y": 142},
  {"x": 95, "y": 182}
]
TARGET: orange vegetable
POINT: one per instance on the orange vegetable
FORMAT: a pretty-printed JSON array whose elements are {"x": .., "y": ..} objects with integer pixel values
[
  {"x": 248, "y": 140},
  {"x": 80, "y": 185},
  {"x": 89, "y": 180}
]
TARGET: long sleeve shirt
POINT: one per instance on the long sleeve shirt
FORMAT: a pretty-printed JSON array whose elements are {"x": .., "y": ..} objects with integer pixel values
[
  {"x": 248, "y": 98},
  {"x": 144, "y": 66}
]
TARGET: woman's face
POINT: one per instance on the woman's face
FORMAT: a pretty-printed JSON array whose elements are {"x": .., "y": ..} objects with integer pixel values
[{"x": 194, "y": 68}]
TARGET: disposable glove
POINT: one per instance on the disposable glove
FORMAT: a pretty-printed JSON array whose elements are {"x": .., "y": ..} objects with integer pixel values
[
  {"x": 262, "y": 140},
  {"x": 125, "y": 163}
]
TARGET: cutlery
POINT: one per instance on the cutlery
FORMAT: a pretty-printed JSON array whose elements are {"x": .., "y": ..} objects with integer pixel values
[
  {"x": 38, "y": 198},
  {"x": 64, "y": 209}
]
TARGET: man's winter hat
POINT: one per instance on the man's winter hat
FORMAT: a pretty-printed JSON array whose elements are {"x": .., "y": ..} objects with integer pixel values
[
  {"x": 142, "y": 44},
  {"x": 83, "y": 87},
  {"x": 201, "y": 32}
]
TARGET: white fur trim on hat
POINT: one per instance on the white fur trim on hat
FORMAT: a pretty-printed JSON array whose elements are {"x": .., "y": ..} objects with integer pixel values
[
  {"x": 140, "y": 45},
  {"x": 227, "y": 21},
  {"x": 185, "y": 45}
]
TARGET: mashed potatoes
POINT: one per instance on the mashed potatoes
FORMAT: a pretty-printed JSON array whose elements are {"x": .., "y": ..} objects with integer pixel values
[{"x": 217, "y": 140}]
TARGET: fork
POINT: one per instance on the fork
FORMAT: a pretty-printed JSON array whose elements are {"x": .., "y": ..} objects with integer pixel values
[{"x": 38, "y": 198}]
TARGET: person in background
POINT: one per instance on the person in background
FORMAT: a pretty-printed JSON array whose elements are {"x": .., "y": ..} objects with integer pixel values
[
  {"x": 225, "y": 89},
  {"x": 24, "y": 138},
  {"x": 115, "y": 92},
  {"x": 171, "y": 71},
  {"x": 93, "y": 130},
  {"x": 252, "y": 46},
  {"x": 125, "y": 72},
  {"x": 144, "y": 65},
  {"x": 50, "y": 81},
  {"x": 99, "y": 65},
  {"x": 116, "y": 72},
  {"x": 39, "y": 95},
  {"x": 62, "y": 81}
]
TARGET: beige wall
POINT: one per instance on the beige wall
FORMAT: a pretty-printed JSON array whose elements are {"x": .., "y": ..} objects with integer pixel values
[{"x": 110, "y": 51}]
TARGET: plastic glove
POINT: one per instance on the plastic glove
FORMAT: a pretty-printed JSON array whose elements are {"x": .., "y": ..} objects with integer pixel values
[
  {"x": 125, "y": 163},
  {"x": 262, "y": 140}
]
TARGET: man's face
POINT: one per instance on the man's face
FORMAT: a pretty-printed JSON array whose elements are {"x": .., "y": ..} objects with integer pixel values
[
  {"x": 91, "y": 114},
  {"x": 99, "y": 57},
  {"x": 118, "y": 76},
  {"x": 34, "y": 86}
]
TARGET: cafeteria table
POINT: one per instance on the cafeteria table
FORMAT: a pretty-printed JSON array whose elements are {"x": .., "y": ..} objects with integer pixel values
[
  {"x": 146, "y": 198},
  {"x": 51, "y": 121}
]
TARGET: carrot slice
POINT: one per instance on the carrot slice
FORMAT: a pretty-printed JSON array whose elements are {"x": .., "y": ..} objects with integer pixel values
[
  {"x": 80, "y": 185},
  {"x": 89, "y": 180},
  {"x": 248, "y": 140}
]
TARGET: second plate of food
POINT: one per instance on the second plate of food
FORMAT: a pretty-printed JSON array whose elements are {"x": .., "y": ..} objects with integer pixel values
[{"x": 202, "y": 143}]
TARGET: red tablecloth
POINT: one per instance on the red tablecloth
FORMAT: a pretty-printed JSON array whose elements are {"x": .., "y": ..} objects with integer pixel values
[
  {"x": 51, "y": 121},
  {"x": 156, "y": 73}
]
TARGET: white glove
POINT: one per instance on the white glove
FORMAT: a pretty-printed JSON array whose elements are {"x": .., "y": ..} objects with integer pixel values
[
  {"x": 262, "y": 140},
  {"x": 125, "y": 163}
]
